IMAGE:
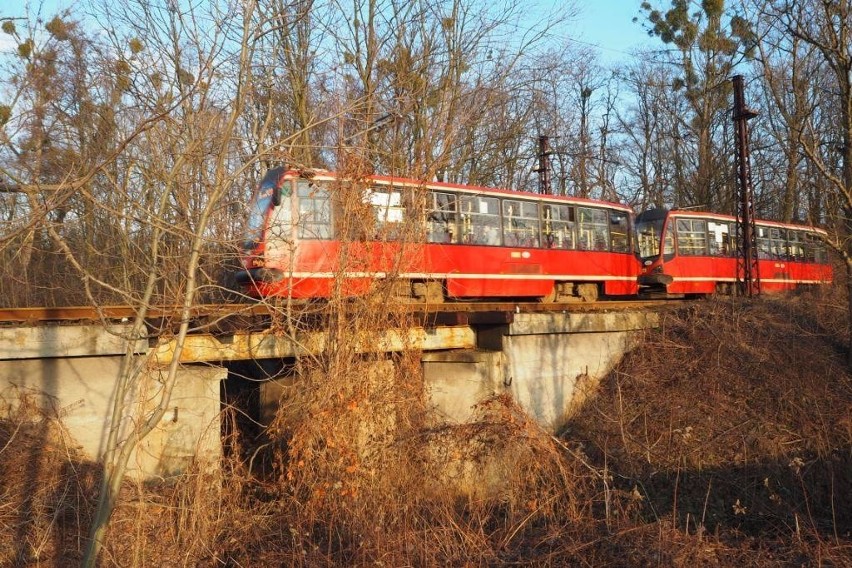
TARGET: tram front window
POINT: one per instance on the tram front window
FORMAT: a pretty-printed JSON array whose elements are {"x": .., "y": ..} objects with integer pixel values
[
  {"x": 260, "y": 208},
  {"x": 649, "y": 234}
]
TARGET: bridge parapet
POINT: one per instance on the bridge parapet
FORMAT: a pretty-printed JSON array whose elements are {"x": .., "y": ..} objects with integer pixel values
[
  {"x": 574, "y": 322},
  {"x": 52, "y": 341}
]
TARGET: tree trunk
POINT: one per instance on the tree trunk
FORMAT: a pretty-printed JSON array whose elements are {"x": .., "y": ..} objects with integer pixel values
[{"x": 849, "y": 312}]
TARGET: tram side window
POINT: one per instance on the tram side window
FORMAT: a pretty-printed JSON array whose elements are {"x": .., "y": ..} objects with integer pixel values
[
  {"x": 314, "y": 211},
  {"x": 720, "y": 238},
  {"x": 441, "y": 220},
  {"x": 777, "y": 243},
  {"x": 520, "y": 223},
  {"x": 619, "y": 231},
  {"x": 821, "y": 252},
  {"x": 558, "y": 226},
  {"x": 668, "y": 241},
  {"x": 814, "y": 249},
  {"x": 692, "y": 237},
  {"x": 389, "y": 211},
  {"x": 764, "y": 245},
  {"x": 795, "y": 245},
  {"x": 480, "y": 220},
  {"x": 281, "y": 224},
  {"x": 592, "y": 229}
]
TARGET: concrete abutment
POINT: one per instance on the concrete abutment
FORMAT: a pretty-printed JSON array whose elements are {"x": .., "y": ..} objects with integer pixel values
[{"x": 547, "y": 362}]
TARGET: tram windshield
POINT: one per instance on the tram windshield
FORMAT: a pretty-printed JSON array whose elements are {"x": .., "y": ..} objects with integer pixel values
[
  {"x": 649, "y": 234},
  {"x": 260, "y": 207}
]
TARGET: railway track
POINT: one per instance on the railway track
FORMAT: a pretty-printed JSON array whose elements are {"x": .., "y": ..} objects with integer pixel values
[{"x": 442, "y": 313}]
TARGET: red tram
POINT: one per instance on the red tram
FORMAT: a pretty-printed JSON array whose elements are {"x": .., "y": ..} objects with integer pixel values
[
  {"x": 438, "y": 240},
  {"x": 691, "y": 252}
]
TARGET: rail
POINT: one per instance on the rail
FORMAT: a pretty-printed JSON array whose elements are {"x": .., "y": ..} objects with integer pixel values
[{"x": 38, "y": 315}]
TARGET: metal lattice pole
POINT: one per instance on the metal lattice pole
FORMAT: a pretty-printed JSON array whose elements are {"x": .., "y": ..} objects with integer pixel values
[
  {"x": 544, "y": 165},
  {"x": 748, "y": 271}
]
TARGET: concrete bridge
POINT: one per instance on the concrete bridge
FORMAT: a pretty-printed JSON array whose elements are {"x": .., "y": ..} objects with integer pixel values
[{"x": 549, "y": 362}]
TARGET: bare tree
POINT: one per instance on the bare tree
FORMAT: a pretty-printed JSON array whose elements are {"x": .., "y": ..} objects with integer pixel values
[
  {"x": 59, "y": 129},
  {"x": 428, "y": 77},
  {"x": 650, "y": 148},
  {"x": 287, "y": 83},
  {"x": 825, "y": 134},
  {"x": 790, "y": 73},
  {"x": 707, "y": 51},
  {"x": 172, "y": 165}
]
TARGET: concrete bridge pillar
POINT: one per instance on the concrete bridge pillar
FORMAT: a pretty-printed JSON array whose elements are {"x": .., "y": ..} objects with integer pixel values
[
  {"x": 548, "y": 362},
  {"x": 71, "y": 372}
]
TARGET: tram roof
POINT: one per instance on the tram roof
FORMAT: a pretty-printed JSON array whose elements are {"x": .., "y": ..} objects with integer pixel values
[
  {"x": 462, "y": 188},
  {"x": 654, "y": 214}
]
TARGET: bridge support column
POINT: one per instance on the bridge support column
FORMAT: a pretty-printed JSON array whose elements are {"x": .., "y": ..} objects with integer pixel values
[
  {"x": 49, "y": 372},
  {"x": 548, "y": 362},
  {"x": 457, "y": 380}
]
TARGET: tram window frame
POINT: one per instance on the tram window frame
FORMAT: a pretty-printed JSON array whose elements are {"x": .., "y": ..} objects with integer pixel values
[
  {"x": 592, "y": 229},
  {"x": 306, "y": 219},
  {"x": 669, "y": 249},
  {"x": 648, "y": 237},
  {"x": 390, "y": 213},
  {"x": 619, "y": 241},
  {"x": 778, "y": 243},
  {"x": 764, "y": 243},
  {"x": 281, "y": 222},
  {"x": 795, "y": 245},
  {"x": 262, "y": 209},
  {"x": 821, "y": 250},
  {"x": 521, "y": 224},
  {"x": 442, "y": 218},
  {"x": 480, "y": 225},
  {"x": 719, "y": 242},
  {"x": 691, "y": 236},
  {"x": 815, "y": 249},
  {"x": 558, "y": 231}
]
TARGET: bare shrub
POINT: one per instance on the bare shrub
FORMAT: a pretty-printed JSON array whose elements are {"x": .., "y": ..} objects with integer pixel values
[
  {"x": 47, "y": 490},
  {"x": 733, "y": 421},
  {"x": 723, "y": 440}
]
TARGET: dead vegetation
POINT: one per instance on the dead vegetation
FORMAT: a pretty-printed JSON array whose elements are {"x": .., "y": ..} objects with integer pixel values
[
  {"x": 731, "y": 429},
  {"x": 723, "y": 440}
]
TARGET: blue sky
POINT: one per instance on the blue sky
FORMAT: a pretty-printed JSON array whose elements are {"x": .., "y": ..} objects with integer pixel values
[
  {"x": 608, "y": 24},
  {"x": 605, "y": 25}
]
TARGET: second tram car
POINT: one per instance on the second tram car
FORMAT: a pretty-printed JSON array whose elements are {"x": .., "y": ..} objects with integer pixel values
[
  {"x": 307, "y": 236},
  {"x": 686, "y": 252}
]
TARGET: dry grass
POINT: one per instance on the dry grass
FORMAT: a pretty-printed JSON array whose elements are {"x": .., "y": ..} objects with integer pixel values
[
  {"x": 724, "y": 440},
  {"x": 46, "y": 489},
  {"x": 731, "y": 426}
]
